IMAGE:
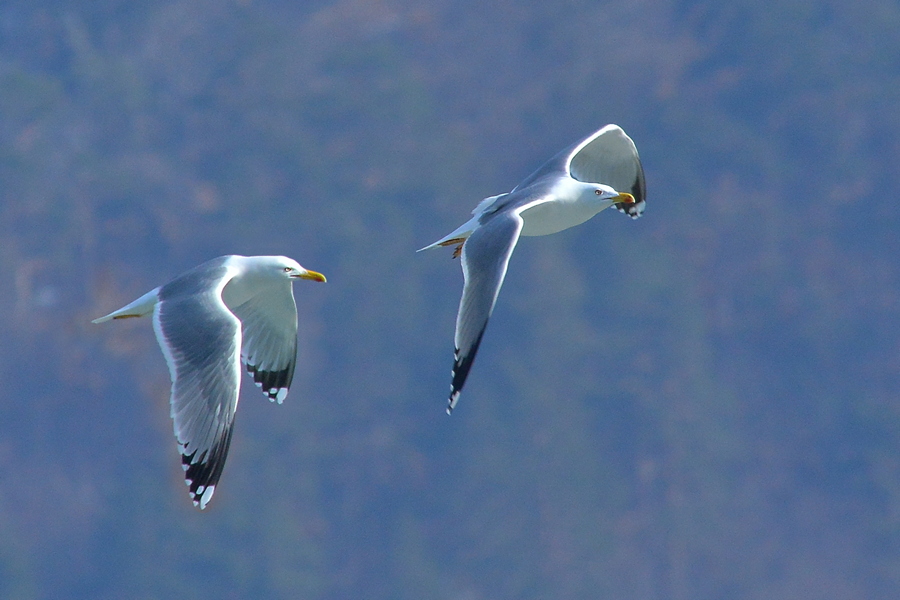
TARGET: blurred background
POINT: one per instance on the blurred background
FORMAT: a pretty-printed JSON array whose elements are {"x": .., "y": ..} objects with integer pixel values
[{"x": 701, "y": 404}]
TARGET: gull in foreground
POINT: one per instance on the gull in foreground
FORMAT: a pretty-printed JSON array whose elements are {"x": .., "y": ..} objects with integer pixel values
[
  {"x": 600, "y": 171},
  {"x": 208, "y": 320}
]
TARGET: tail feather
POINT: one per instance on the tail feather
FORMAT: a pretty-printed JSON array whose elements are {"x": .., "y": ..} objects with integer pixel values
[
  {"x": 460, "y": 233},
  {"x": 466, "y": 229},
  {"x": 141, "y": 307}
]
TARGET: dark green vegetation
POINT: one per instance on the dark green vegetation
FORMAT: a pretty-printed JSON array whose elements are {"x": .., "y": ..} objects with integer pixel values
[{"x": 702, "y": 404}]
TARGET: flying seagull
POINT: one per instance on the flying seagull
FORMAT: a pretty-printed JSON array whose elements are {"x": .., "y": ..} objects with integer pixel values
[
  {"x": 208, "y": 320},
  {"x": 595, "y": 173}
]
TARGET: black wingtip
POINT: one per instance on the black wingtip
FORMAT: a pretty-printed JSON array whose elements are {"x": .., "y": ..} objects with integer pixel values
[
  {"x": 638, "y": 191},
  {"x": 632, "y": 210},
  {"x": 202, "y": 475},
  {"x": 460, "y": 372},
  {"x": 451, "y": 403},
  {"x": 274, "y": 384}
]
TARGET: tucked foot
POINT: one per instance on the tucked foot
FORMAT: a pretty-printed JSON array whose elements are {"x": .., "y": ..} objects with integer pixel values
[{"x": 458, "y": 242}]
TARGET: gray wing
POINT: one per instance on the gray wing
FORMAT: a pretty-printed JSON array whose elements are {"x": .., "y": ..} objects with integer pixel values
[
  {"x": 607, "y": 156},
  {"x": 610, "y": 157},
  {"x": 201, "y": 341},
  {"x": 485, "y": 256},
  {"x": 269, "y": 321}
]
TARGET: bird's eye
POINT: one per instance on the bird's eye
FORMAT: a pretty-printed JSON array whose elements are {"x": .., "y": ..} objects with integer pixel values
[
  {"x": 288, "y": 269},
  {"x": 598, "y": 192}
]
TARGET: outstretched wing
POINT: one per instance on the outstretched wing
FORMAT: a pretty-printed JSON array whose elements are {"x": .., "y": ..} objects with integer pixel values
[
  {"x": 610, "y": 157},
  {"x": 201, "y": 341},
  {"x": 485, "y": 257},
  {"x": 269, "y": 320},
  {"x": 606, "y": 156}
]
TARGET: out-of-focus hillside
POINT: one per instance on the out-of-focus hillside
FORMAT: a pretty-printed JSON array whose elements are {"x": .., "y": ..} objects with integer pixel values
[{"x": 702, "y": 404}]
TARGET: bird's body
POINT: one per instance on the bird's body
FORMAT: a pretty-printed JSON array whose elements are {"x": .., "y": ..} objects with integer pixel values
[
  {"x": 593, "y": 174},
  {"x": 208, "y": 321}
]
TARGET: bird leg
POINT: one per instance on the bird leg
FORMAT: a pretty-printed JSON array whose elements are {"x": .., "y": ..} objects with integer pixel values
[{"x": 460, "y": 241}]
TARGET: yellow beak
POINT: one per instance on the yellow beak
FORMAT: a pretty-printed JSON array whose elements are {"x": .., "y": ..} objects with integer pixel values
[
  {"x": 313, "y": 276},
  {"x": 624, "y": 198}
]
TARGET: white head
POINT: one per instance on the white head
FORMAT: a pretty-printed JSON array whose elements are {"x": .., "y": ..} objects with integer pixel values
[
  {"x": 282, "y": 266},
  {"x": 604, "y": 193}
]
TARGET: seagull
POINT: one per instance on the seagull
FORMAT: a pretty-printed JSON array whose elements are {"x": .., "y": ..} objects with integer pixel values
[
  {"x": 208, "y": 321},
  {"x": 600, "y": 171}
]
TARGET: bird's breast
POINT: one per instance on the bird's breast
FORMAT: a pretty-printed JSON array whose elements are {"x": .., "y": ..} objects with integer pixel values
[{"x": 550, "y": 217}]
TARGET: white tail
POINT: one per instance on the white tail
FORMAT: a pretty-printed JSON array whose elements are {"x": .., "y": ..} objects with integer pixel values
[
  {"x": 464, "y": 230},
  {"x": 141, "y": 307}
]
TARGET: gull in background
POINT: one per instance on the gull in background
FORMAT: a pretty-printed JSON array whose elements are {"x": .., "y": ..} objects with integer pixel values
[
  {"x": 600, "y": 171},
  {"x": 208, "y": 320}
]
